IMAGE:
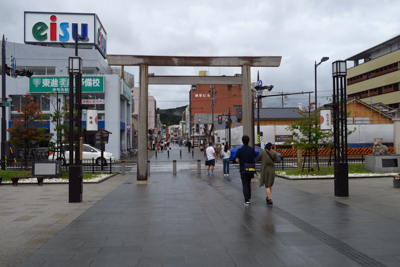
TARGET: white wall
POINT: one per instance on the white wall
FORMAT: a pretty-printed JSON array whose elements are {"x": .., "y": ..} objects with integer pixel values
[{"x": 112, "y": 116}]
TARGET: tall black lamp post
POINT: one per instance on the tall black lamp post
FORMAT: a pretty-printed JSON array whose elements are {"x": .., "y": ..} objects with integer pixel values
[
  {"x": 316, "y": 99},
  {"x": 75, "y": 168},
  {"x": 341, "y": 172}
]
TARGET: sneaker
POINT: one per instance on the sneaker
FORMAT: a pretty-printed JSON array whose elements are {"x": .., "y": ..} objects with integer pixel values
[
  {"x": 246, "y": 203},
  {"x": 269, "y": 202}
]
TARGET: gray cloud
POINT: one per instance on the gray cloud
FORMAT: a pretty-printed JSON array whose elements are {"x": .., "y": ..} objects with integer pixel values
[{"x": 302, "y": 32}]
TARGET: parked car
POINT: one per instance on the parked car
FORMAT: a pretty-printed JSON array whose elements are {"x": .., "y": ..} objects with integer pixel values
[
  {"x": 88, "y": 153},
  {"x": 257, "y": 149}
]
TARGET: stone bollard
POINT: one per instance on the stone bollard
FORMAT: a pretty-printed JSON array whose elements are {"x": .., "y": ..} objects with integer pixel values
[
  {"x": 174, "y": 167},
  {"x": 148, "y": 167},
  {"x": 123, "y": 167},
  {"x": 198, "y": 166},
  {"x": 181, "y": 153},
  {"x": 156, "y": 153},
  {"x": 192, "y": 153}
]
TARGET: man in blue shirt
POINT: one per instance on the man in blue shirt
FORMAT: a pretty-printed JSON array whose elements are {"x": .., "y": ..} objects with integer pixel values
[{"x": 246, "y": 154}]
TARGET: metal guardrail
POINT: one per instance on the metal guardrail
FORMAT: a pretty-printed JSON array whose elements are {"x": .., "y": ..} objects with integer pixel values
[
  {"x": 88, "y": 166},
  {"x": 324, "y": 161}
]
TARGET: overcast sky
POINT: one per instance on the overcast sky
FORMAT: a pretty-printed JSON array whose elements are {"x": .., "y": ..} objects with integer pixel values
[{"x": 302, "y": 32}]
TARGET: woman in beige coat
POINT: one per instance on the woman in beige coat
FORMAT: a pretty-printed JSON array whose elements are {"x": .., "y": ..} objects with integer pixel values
[{"x": 267, "y": 158}]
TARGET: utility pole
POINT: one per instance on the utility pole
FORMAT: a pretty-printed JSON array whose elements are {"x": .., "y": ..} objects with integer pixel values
[{"x": 213, "y": 100}]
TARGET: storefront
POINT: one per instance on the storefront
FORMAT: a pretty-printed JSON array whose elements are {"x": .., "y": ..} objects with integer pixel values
[{"x": 106, "y": 92}]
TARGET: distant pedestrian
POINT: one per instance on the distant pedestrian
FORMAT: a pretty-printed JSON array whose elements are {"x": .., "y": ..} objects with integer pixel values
[
  {"x": 245, "y": 154},
  {"x": 267, "y": 158},
  {"x": 159, "y": 146},
  {"x": 189, "y": 145},
  {"x": 226, "y": 154},
  {"x": 211, "y": 158},
  {"x": 154, "y": 144},
  {"x": 162, "y": 145}
]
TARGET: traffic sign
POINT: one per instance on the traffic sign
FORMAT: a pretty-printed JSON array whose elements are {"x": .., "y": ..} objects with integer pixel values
[{"x": 128, "y": 128}]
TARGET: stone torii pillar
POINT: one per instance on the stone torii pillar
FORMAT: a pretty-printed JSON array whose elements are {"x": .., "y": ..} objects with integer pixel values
[
  {"x": 143, "y": 123},
  {"x": 165, "y": 61}
]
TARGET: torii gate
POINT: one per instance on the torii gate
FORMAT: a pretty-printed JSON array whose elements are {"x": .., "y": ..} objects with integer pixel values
[{"x": 171, "y": 61}]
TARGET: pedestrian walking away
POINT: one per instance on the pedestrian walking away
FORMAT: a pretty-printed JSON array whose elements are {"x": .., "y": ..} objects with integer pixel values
[
  {"x": 211, "y": 158},
  {"x": 245, "y": 154},
  {"x": 268, "y": 157},
  {"x": 226, "y": 154},
  {"x": 189, "y": 145}
]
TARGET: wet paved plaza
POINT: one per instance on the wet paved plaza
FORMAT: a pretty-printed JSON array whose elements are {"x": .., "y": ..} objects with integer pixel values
[{"x": 192, "y": 219}]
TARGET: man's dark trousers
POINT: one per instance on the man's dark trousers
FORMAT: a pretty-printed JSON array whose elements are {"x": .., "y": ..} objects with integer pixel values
[{"x": 246, "y": 180}]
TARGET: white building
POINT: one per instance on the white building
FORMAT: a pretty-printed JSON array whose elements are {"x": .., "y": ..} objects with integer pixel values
[
  {"x": 151, "y": 108},
  {"x": 48, "y": 60}
]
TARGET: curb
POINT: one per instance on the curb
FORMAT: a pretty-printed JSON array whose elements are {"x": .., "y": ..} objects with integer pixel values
[
  {"x": 326, "y": 178},
  {"x": 84, "y": 182}
]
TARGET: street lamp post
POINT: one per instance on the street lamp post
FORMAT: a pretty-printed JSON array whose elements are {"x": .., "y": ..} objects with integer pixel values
[
  {"x": 316, "y": 100},
  {"x": 341, "y": 173},
  {"x": 75, "y": 169},
  {"x": 259, "y": 96},
  {"x": 316, "y": 65}
]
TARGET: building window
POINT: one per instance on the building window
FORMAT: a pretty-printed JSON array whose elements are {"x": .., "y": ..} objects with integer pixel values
[
  {"x": 234, "y": 95},
  {"x": 43, "y": 100},
  {"x": 88, "y": 71},
  {"x": 40, "y": 70}
]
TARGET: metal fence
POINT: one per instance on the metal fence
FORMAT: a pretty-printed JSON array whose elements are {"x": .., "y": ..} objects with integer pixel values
[
  {"x": 323, "y": 161},
  {"x": 88, "y": 166}
]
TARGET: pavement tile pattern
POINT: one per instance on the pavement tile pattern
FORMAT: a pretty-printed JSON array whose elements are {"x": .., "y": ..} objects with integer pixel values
[{"x": 192, "y": 219}]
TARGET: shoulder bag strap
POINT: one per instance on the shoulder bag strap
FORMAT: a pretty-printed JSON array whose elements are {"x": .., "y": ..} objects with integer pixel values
[{"x": 270, "y": 156}]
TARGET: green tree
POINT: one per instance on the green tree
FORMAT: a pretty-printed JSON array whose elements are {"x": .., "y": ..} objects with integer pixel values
[
  {"x": 25, "y": 132},
  {"x": 307, "y": 133}
]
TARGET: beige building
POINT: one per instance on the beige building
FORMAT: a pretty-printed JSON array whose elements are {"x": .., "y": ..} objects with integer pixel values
[
  {"x": 375, "y": 76},
  {"x": 152, "y": 108}
]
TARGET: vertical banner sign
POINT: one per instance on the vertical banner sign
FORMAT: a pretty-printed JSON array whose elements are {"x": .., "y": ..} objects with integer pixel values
[
  {"x": 326, "y": 119},
  {"x": 91, "y": 120}
]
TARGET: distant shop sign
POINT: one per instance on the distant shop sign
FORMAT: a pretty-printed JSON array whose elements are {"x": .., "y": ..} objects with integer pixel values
[
  {"x": 51, "y": 84},
  {"x": 59, "y": 28},
  {"x": 126, "y": 90},
  {"x": 283, "y": 138},
  {"x": 92, "y": 101}
]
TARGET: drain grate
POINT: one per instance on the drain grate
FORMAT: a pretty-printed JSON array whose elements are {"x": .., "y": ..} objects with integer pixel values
[{"x": 350, "y": 252}]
